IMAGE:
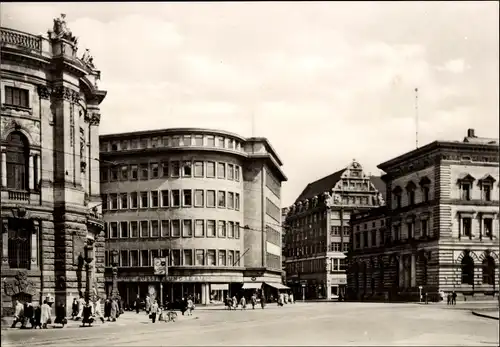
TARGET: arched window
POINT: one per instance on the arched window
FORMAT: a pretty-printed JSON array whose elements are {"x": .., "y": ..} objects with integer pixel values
[
  {"x": 467, "y": 270},
  {"x": 488, "y": 270},
  {"x": 17, "y": 161}
]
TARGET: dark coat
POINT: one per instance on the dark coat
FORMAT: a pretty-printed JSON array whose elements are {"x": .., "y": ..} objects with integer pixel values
[{"x": 107, "y": 309}]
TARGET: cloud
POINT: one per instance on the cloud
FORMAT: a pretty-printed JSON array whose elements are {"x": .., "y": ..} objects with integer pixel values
[
  {"x": 455, "y": 66},
  {"x": 325, "y": 82}
]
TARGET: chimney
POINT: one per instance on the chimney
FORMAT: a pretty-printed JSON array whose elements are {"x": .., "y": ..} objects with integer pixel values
[{"x": 470, "y": 133}]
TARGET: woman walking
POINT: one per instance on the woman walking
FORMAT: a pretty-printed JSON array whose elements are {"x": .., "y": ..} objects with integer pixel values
[
  {"x": 154, "y": 311},
  {"x": 46, "y": 317}
]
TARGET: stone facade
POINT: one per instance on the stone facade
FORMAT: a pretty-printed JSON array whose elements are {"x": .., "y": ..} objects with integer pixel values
[
  {"x": 51, "y": 221},
  {"x": 318, "y": 232},
  {"x": 441, "y": 225},
  {"x": 198, "y": 198}
]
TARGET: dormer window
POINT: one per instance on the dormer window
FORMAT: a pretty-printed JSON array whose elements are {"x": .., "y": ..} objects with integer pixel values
[
  {"x": 465, "y": 182},
  {"x": 397, "y": 196},
  {"x": 486, "y": 184},
  {"x": 425, "y": 186},
  {"x": 410, "y": 191}
]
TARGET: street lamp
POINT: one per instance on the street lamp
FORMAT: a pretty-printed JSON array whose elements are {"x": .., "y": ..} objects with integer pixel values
[
  {"x": 88, "y": 259},
  {"x": 114, "y": 264}
]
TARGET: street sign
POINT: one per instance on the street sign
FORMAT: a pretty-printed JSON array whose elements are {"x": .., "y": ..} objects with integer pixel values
[
  {"x": 303, "y": 285},
  {"x": 420, "y": 287},
  {"x": 160, "y": 266}
]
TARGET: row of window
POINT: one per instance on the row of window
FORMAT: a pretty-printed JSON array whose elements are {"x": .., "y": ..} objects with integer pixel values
[
  {"x": 186, "y": 140},
  {"x": 369, "y": 238},
  {"x": 173, "y": 228},
  {"x": 315, "y": 265},
  {"x": 411, "y": 190},
  {"x": 170, "y": 169},
  {"x": 171, "y": 198},
  {"x": 175, "y": 257},
  {"x": 466, "y": 189},
  {"x": 297, "y": 250}
]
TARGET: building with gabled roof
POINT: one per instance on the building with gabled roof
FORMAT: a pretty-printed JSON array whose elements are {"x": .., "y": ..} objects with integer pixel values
[
  {"x": 439, "y": 231},
  {"x": 317, "y": 230}
]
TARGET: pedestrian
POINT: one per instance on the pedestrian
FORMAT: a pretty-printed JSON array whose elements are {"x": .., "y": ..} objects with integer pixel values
[
  {"x": 148, "y": 304},
  {"x": 253, "y": 300},
  {"x": 243, "y": 303},
  {"x": 107, "y": 309},
  {"x": 97, "y": 310},
  {"x": 114, "y": 310},
  {"x": 87, "y": 315},
  {"x": 37, "y": 317},
  {"x": 74, "y": 308},
  {"x": 46, "y": 315},
  {"x": 454, "y": 298},
  {"x": 61, "y": 315},
  {"x": 81, "y": 304},
  {"x": 137, "y": 304},
  {"x": 29, "y": 314},
  {"x": 190, "y": 306},
  {"x": 292, "y": 301},
  {"x": 18, "y": 314},
  {"x": 448, "y": 298},
  {"x": 262, "y": 301},
  {"x": 280, "y": 299},
  {"x": 234, "y": 303},
  {"x": 154, "y": 311}
]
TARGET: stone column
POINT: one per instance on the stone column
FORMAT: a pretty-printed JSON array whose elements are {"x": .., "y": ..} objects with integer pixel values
[
  {"x": 31, "y": 173},
  {"x": 413, "y": 271},
  {"x": 38, "y": 172},
  {"x": 203, "y": 294},
  {"x": 34, "y": 244},
  {"x": 5, "y": 243},
  {"x": 4, "y": 168},
  {"x": 401, "y": 271}
]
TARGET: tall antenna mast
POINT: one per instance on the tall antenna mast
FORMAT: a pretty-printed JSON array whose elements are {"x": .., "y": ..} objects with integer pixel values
[{"x": 416, "y": 117}]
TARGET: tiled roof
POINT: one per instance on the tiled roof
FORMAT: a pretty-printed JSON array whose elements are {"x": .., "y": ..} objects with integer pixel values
[
  {"x": 320, "y": 186},
  {"x": 379, "y": 185},
  {"x": 481, "y": 140},
  {"x": 326, "y": 184}
]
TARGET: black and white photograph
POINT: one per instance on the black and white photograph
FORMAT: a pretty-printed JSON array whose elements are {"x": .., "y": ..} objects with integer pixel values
[{"x": 250, "y": 173}]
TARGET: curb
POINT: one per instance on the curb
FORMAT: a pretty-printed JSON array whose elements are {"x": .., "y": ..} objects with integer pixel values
[{"x": 484, "y": 315}]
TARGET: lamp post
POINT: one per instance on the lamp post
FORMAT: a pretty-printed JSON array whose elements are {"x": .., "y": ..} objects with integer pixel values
[
  {"x": 88, "y": 268},
  {"x": 114, "y": 264}
]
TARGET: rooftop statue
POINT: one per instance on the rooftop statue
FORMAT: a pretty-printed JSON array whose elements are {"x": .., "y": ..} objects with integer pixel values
[
  {"x": 88, "y": 59},
  {"x": 61, "y": 31}
]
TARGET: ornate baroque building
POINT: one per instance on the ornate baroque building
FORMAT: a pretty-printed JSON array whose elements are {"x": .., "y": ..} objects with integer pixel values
[
  {"x": 440, "y": 228},
  {"x": 318, "y": 231},
  {"x": 52, "y": 240},
  {"x": 209, "y": 201}
]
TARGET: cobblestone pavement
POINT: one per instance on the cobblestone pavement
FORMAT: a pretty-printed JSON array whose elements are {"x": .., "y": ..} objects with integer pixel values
[{"x": 298, "y": 324}]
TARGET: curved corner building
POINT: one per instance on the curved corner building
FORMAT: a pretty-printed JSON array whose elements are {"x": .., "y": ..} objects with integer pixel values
[
  {"x": 52, "y": 231},
  {"x": 207, "y": 200}
]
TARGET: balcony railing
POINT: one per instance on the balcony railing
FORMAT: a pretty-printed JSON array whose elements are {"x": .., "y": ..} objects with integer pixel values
[
  {"x": 19, "y": 195},
  {"x": 18, "y": 38}
]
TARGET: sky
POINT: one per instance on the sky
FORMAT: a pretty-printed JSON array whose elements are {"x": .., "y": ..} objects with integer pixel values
[{"x": 325, "y": 82}]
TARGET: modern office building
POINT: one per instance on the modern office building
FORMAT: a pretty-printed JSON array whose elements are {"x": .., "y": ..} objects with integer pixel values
[
  {"x": 209, "y": 201},
  {"x": 440, "y": 228},
  {"x": 52, "y": 231},
  {"x": 318, "y": 231}
]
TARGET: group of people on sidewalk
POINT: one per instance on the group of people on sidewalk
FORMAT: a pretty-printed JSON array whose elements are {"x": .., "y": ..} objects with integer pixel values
[
  {"x": 86, "y": 311},
  {"x": 156, "y": 311},
  {"x": 36, "y": 316},
  {"x": 232, "y": 303}
]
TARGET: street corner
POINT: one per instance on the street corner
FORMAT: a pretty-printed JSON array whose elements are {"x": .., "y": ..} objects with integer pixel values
[{"x": 487, "y": 313}]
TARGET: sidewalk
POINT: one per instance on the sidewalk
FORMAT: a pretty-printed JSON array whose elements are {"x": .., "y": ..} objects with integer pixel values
[
  {"x": 487, "y": 313},
  {"x": 124, "y": 319}
]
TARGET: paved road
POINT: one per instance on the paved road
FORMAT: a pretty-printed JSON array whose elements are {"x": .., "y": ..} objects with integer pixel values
[{"x": 299, "y": 324}]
